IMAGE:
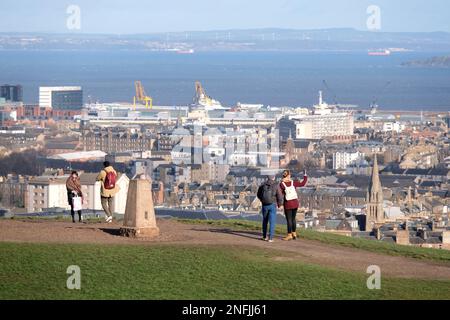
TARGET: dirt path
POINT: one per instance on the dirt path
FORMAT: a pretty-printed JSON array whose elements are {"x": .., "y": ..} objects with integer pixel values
[{"x": 172, "y": 232}]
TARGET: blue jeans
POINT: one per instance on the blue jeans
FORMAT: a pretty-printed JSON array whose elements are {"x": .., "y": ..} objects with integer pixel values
[{"x": 269, "y": 214}]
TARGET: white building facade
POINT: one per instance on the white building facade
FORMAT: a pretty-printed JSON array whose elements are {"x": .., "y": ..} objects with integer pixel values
[
  {"x": 61, "y": 97},
  {"x": 319, "y": 126},
  {"x": 393, "y": 127},
  {"x": 44, "y": 193},
  {"x": 342, "y": 159}
]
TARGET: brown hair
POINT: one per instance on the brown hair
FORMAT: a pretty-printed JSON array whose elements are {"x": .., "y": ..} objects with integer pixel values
[{"x": 286, "y": 173}]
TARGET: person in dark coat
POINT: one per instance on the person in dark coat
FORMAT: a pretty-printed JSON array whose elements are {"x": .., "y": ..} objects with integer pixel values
[
  {"x": 270, "y": 196},
  {"x": 73, "y": 186}
]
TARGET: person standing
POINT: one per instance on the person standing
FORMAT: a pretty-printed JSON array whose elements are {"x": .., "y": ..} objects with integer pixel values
[
  {"x": 291, "y": 203},
  {"x": 109, "y": 189},
  {"x": 73, "y": 186},
  {"x": 270, "y": 196}
]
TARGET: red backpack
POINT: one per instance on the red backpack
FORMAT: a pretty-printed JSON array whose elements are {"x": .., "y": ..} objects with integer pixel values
[{"x": 110, "y": 180}]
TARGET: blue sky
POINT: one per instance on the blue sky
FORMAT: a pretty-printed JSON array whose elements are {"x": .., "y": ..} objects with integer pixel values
[{"x": 139, "y": 16}]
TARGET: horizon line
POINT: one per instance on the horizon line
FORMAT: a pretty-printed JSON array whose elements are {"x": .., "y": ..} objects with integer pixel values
[{"x": 220, "y": 30}]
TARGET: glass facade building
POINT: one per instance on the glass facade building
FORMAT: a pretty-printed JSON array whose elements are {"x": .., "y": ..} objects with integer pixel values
[
  {"x": 67, "y": 100},
  {"x": 12, "y": 93}
]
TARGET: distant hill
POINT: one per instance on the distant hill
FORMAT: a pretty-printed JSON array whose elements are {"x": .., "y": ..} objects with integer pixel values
[
  {"x": 269, "y": 39},
  {"x": 435, "y": 62}
]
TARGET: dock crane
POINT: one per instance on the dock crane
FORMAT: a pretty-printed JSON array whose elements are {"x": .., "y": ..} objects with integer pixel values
[
  {"x": 336, "y": 105},
  {"x": 332, "y": 92},
  {"x": 374, "y": 104},
  {"x": 141, "y": 96}
]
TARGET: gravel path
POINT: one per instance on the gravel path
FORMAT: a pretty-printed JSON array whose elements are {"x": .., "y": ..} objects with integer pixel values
[{"x": 172, "y": 232}]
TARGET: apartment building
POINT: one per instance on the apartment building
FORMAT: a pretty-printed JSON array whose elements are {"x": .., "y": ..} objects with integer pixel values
[{"x": 44, "y": 193}]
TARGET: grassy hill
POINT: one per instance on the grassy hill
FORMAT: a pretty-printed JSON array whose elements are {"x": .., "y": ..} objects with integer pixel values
[{"x": 38, "y": 271}]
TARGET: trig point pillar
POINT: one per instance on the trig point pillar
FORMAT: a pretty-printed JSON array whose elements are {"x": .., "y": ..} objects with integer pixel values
[{"x": 139, "y": 220}]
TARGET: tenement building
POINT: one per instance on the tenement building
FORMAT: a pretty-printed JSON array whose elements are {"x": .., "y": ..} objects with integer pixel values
[{"x": 112, "y": 140}]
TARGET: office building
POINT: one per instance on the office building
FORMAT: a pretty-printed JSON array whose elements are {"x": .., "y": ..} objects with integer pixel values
[
  {"x": 319, "y": 126},
  {"x": 65, "y": 98},
  {"x": 12, "y": 93}
]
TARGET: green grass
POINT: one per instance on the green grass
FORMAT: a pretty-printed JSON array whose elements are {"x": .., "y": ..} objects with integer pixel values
[
  {"x": 334, "y": 239},
  {"x": 38, "y": 271}
]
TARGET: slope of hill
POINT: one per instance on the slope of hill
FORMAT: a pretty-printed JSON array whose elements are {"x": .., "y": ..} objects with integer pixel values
[
  {"x": 435, "y": 62},
  {"x": 200, "y": 261}
]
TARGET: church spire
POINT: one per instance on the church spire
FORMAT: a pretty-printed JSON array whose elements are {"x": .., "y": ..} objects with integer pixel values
[
  {"x": 374, "y": 207},
  {"x": 375, "y": 184},
  {"x": 289, "y": 149}
]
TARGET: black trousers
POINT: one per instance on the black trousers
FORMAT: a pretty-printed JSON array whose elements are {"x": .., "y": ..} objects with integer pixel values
[
  {"x": 290, "y": 219},
  {"x": 73, "y": 214},
  {"x": 70, "y": 200}
]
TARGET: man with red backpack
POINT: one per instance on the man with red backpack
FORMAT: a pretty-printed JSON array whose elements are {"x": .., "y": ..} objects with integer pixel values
[{"x": 109, "y": 188}]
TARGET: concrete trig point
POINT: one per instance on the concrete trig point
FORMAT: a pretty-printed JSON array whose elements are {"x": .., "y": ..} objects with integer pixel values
[{"x": 139, "y": 220}]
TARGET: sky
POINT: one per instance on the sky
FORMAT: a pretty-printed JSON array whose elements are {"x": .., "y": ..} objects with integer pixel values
[{"x": 149, "y": 16}]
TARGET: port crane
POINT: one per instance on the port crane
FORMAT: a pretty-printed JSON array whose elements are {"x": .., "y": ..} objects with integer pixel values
[
  {"x": 336, "y": 105},
  {"x": 141, "y": 96},
  {"x": 374, "y": 104},
  {"x": 332, "y": 92}
]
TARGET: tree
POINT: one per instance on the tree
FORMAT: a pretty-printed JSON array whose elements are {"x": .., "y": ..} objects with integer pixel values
[{"x": 24, "y": 163}]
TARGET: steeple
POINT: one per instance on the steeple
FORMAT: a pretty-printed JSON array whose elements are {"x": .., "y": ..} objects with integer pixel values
[
  {"x": 374, "y": 207},
  {"x": 375, "y": 184},
  {"x": 289, "y": 149}
]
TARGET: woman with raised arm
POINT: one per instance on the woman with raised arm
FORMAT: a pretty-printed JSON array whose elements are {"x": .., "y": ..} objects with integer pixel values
[{"x": 291, "y": 203}]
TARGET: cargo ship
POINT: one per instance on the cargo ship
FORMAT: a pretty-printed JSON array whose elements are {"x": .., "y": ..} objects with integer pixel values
[
  {"x": 380, "y": 52},
  {"x": 188, "y": 51}
]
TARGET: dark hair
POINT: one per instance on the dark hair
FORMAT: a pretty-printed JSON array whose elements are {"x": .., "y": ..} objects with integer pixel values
[
  {"x": 286, "y": 173},
  {"x": 74, "y": 173},
  {"x": 106, "y": 164}
]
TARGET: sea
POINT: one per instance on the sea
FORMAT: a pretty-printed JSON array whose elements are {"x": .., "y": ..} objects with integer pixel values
[{"x": 270, "y": 78}]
